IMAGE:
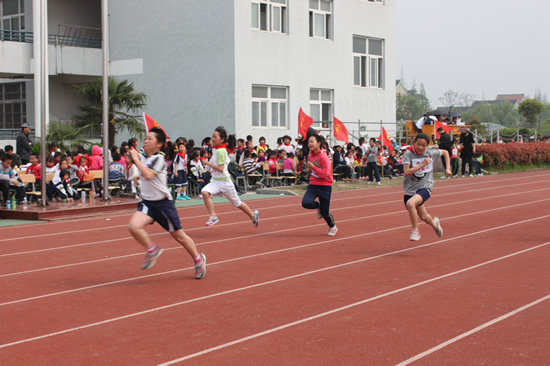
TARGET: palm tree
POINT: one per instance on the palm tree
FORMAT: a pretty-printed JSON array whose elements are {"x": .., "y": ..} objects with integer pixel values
[
  {"x": 123, "y": 99},
  {"x": 66, "y": 135}
]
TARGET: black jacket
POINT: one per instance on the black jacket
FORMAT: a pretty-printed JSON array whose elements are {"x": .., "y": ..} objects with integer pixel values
[{"x": 24, "y": 146}]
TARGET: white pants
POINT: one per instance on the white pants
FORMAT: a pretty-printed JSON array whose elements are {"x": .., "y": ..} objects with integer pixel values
[{"x": 224, "y": 187}]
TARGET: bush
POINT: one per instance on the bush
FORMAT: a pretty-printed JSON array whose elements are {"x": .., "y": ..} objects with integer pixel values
[{"x": 498, "y": 155}]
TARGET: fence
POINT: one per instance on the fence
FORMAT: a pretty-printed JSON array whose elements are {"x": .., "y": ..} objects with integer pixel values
[
  {"x": 358, "y": 129},
  {"x": 68, "y": 35}
]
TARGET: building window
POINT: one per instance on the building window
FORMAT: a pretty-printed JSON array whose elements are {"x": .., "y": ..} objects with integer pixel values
[
  {"x": 12, "y": 19},
  {"x": 320, "y": 18},
  {"x": 368, "y": 62},
  {"x": 269, "y": 106},
  {"x": 320, "y": 106},
  {"x": 269, "y": 15},
  {"x": 13, "y": 106}
]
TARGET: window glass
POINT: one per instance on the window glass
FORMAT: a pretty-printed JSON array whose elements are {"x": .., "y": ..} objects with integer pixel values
[
  {"x": 375, "y": 47},
  {"x": 259, "y": 92},
  {"x": 326, "y": 95},
  {"x": 275, "y": 114},
  {"x": 359, "y": 45},
  {"x": 325, "y": 5},
  {"x": 282, "y": 114},
  {"x": 319, "y": 25},
  {"x": 279, "y": 93},
  {"x": 315, "y": 110},
  {"x": 255, "y": 16},
  {"x": 276, "y": 18},
  {"x": 263, "y": 114},
  {"x": 356, "y": 70},
  {"x": 373, "y": 72},
  {"x": 314, "y": 4},
  {"x": 255, "y": 114},
  {"x": 10, "y": 7},
  {"x": 314, "y": 94}
]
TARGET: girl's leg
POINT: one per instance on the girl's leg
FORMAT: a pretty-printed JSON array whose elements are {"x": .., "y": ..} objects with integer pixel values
[
  {"x": 209, "y": 203},
  {"x": 324, "y": 205},
  {"x": 412, "y": 205},
  {"x": 309, "y": 199},
  {"x": 181, "y": 237},
  {"x": 244, "y": 208},
  {"x": 137, "y": 228},
  {"x": 424, "y": 216}
]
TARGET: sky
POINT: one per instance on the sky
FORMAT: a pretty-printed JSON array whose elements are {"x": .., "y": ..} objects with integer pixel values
[{"x": 480, "y": 47}]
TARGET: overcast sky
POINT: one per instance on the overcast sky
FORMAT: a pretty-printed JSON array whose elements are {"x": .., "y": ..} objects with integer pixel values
[{"x": 481, "y": 47}]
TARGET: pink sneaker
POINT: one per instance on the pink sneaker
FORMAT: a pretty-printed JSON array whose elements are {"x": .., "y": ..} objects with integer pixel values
[
  {"x": 415, "y": 235},
  {"x": 212, "y": 221}
]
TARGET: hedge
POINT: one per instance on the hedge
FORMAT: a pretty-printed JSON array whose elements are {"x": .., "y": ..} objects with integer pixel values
[{"x": 497, "y": 155}]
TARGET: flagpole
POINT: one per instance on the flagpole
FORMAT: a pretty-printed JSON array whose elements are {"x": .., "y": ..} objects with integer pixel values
[
  {"x": 382, "y": 134},
  {"x": 105, "y": 95}
]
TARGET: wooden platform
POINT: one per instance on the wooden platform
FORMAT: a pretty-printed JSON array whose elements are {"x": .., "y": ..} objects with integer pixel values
[{"x": 61, "y": 210}]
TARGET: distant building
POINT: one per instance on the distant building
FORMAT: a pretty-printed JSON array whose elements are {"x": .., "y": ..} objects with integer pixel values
[
  {"x": 515, "y": 99},
  {"x": 400, "y": 88}
]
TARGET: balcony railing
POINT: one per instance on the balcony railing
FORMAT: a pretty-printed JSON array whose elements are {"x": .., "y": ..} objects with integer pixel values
[{"x": 68, "y": 35}]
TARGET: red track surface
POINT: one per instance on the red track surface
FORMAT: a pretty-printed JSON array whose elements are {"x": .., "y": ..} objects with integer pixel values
[{"x": 285, "y": 293}]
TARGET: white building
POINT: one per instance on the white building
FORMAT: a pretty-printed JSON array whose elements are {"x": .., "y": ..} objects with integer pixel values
[{"x": 249, "y": 65}]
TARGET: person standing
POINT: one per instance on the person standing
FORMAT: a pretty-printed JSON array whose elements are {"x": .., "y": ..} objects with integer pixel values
[
  {"x": 446, "y": 144},
  {"x": 468, "y": 150},
  {"x": 24, "y": 143}
]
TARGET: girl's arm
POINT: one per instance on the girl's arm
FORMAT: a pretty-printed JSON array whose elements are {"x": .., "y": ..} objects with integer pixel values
[
  {"x": 219, "y": 168},
  {"x": 145, "y": 173}
]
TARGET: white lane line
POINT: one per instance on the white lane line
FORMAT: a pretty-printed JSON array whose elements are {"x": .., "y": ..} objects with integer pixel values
[
  {"x": 10, "y": 240},
  {"x": 301, "y": 321},
  {"x": 284, "y": 250},
  {"x": 272, "y": 282},
  {"x": 470, "y": 332},
  {"x": 305, "y": 213},
  {"x": 262, "y": 234}
]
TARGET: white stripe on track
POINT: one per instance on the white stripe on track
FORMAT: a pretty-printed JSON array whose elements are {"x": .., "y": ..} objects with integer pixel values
[
  {"x": 301, "y": 321},
  {"x": 248, "y": 222},
  {"x": 263, "y": 234},
  {"x": 285, "y": 250},
  {"x": 472, "y": 331},
  {"x": 10, "y": 240}
]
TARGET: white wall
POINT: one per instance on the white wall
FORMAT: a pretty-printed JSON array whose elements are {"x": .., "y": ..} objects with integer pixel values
[{"x": 300, "y": 62}]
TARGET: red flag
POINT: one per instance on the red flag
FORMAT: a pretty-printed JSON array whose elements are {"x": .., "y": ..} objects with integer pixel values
[
  {"x": 385, "y": 139},
  {"x": 444, "y": 127},
  {"x": 340, "y": 130},
  {"x": 304, "y": 122},
  {"x": 150, "y": 123}
]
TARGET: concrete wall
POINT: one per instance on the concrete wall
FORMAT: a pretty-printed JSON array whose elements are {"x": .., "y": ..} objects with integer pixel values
[
  {"x": 301, "y": 63},
  {"x": 188, "y": 61}
]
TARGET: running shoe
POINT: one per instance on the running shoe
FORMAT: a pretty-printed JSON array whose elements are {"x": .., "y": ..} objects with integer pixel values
[
  {"x": 151, "y": 257},
  {"x": 378, "y": 183},
  {"x": 181, "y": 198},
  {"x": 438, "y": 229},
  {"x": 415, "y": 235},
  {"x": 200, "y": 268},
  {"x": 471, "y": 176},
  {"x": 332, "y": 231},
  {"x": 369, "y": 182},
  {"x": 256, "y": 220},
  {"x": 212, "y": 221}
]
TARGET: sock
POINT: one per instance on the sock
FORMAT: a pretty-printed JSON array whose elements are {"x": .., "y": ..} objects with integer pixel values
[{"x": 198, "y": 259}]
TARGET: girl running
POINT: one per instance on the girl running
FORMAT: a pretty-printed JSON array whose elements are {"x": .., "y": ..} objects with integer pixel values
[
  {"x": 418, "y": 165},
  {"x": 320, "y": 182},
  {"x": 157, "y": 204},
  {"x": 221, "y": 180}
]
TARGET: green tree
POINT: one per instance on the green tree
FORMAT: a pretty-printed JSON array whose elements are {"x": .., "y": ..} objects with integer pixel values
[
  {"x": 502, "y": 113},
  {"x": 123, "y": 100},
  {"x": 475, "y": 124},
  {"x": 531, "y": 110},
  {"x": 412, "y": 105},
  {"x": 67, "y": 135}
]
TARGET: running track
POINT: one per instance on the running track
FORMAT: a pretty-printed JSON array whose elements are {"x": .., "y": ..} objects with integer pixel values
[{"x": 287, "y": 294}]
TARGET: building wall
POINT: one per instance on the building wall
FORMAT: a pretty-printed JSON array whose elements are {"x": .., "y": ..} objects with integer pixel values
[
  {"x": 301, "y": 63},
  {"x": 188, "y": 61}
]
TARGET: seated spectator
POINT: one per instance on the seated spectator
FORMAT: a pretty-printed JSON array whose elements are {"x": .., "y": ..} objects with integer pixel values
[
  {"x": 86, "y": 179},
  {"x": 289, "y": 169},
  {"x": 9, "y": 180},
  {"x": 261, "y": 147},
  {"x": 350, "y": 162},
  {"x": 286, "y": 146},
  {"x": 96, "y": 160},
  {"x": 339, "y": 163},
  {"x": 132, "y": 172},
  {"x": 478, "y": 160},
  {"x": 383, "y": 166},
  {"x": 249, "y": 165},
  {"x": 16, "y": 160},
  {"x": 396, "y": 167},
  {"x": 73, "y": 170},
  {"x": 117, "y": 170},
  {"x": 50, "y": 164},
  {"x": 273, "y": 162},
  {"x": 35, "y": 169},
  {"x": 60, "y": 186}
]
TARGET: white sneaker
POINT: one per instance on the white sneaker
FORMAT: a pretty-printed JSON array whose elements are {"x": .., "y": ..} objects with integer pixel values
[
  {"x": 471, "y": 176},
  {"x": 332, "y": 231},
  {"x": 378, "y": 183},
  {"x": 369, "y": 182}
]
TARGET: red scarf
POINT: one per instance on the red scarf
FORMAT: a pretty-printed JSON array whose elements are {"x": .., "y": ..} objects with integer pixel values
[
  {"x": 182, "y": 155},
  {"x": 222, "y": 146}
]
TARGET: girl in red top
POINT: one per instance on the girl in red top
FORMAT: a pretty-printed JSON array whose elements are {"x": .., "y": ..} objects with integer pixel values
[{"x": 320, "y": 182}]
